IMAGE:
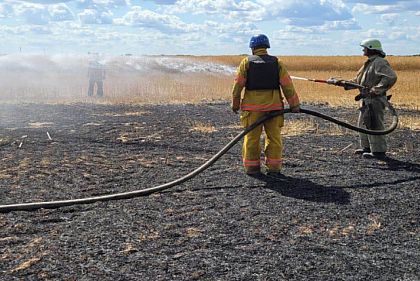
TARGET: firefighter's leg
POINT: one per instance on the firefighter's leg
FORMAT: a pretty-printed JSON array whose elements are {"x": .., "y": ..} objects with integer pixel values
[
  {"x": 273, "y": 144},
  {"x": 100, "y": 91},
  {"x": 251, "y": 149},
  {"x": 378, "y": 143},
  {"x": 364, "y": 141},
  {"x": 91, "y": 87}
]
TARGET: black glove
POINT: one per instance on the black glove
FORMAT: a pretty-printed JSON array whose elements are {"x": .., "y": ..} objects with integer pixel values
[
  {"x": 359, "y": 97},
  {"x": 364, "y": 94},
  {"x": 336, "y": 82}
]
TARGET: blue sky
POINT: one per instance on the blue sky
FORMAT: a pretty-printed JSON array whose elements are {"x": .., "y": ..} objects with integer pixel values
[{"x": 213, "y": 27}]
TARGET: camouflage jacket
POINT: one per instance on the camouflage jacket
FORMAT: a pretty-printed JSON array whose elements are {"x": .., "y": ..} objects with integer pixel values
[{"x": 377, "y": 75}]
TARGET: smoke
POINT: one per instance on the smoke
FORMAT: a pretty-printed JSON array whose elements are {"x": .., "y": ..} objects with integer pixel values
[
  {"x": 130, "y": 64},
  {"x": 49, "y": 78}
]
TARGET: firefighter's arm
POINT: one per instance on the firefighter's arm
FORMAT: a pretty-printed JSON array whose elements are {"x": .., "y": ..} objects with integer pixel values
[
  {"x": 288, "y": 89},
  {"x": 239, "y": 84},
  {"x": 388, "y": 79},
  {"x": 352, "y": 83}
]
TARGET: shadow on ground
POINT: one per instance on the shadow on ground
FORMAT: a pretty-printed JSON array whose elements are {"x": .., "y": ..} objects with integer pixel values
[
  {"x": 397, "y": 165},
  {"x": 306, "y": 190}
]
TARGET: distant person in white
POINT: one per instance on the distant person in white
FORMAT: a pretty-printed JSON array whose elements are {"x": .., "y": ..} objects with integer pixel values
[{"x": 96, "y": 73}]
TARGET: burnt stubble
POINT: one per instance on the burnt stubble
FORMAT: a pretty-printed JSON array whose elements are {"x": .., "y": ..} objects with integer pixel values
[{"x": 333, "y": 216}]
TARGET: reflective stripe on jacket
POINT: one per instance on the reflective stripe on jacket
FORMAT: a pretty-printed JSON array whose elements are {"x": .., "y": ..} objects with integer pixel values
[{"x": 264, "y": 100}]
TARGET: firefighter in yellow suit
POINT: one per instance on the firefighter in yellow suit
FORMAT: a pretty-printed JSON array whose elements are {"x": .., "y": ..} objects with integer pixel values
[{"x": 264, "y": 78}]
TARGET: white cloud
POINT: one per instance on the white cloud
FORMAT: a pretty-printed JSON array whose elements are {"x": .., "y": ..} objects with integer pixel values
[
  {"x": 36, "y": 13},
  {"x": 84, "y": 4},
  {"x": 382, "y": 8},
  {"x": 237, "y": 28},
  {"x": 341, "y": 25},
  {"x": 165, "y": 2},
  {"x": 33, "y": 13},
  {"x": 139, "y": 17},
  {"x": 38, "y": 29},
  {"x": 96, "y": 16},
  {"x": 213, "y": 6},
  {"x": 374, "y": 33},
  {"x": 374, "y": 2},
  {"x": 294, "y": 12},
  {"x": 5, "y": 10},
  {"x": 229, "y": 10},
  {"x": 307, "y": 13},
  {"x": 208, "y": 26},
  {"x": 48, "y": 1},
  {"x": 10, "y": 30},
  {"x": 398, "y": 35},
  {"x": 60, "y": 12},
  {"x": 390, "y": 19}
]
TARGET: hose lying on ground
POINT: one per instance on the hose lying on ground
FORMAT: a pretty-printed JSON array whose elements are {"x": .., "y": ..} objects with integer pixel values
[{"x": 143, "y": 192}]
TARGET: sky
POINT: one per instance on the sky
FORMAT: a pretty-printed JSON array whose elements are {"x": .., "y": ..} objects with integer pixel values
[{"x": 207, "y": 27}]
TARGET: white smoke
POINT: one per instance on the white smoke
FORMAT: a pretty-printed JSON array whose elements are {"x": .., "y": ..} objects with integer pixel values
[
  {"x": 141, "y": 64},
  {"x": 51, "y": 78}
]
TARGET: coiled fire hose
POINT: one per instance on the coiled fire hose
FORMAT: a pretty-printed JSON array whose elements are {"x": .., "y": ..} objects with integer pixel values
[{"x": 147, "y": 191}]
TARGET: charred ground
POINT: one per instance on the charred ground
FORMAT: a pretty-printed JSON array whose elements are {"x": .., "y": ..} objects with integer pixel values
[{"x": 334, "y": 216}]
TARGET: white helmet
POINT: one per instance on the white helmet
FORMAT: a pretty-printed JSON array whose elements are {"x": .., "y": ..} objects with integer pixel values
[{"x": 373, "y": 44}]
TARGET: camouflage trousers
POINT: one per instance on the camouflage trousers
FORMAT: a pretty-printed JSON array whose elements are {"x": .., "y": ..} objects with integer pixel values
[
  {"x": 99, "y": 87},
  {"x": 372, "y": 116}
]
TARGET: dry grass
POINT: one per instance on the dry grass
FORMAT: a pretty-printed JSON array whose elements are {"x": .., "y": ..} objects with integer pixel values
[
  {"x": 159, "y": 86},
  {"x": 38, "y": 125},
  {"x": 26, "y": 264},
  {"x": 202, "y": 127},
  {"x": 308, "y": 125},
  {"x": 323, "y": 63},
  {"x": 409, "y": 122},
  {"x": 406, "y": 92}
]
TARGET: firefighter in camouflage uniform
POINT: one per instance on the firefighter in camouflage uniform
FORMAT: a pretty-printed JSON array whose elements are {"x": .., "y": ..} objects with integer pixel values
[
  {"x": 96, "y": 73},
  {"x": 264, "y": 78},
  {"x": 378, "y": 77}
]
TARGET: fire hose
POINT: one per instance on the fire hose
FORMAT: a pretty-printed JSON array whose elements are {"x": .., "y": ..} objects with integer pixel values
[{"x": 32, "y": 206}]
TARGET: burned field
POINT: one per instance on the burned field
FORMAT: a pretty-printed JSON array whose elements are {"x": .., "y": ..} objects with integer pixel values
[{"x": 334, "y": 216}]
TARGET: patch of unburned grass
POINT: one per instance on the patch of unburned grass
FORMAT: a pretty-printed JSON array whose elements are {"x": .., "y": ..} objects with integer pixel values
[
  {"x": 37, "y": 125},
  {"x": 409, "y": 122},
  {"x": 202, "y": 127},
  {"x": 307, "y": 125}
]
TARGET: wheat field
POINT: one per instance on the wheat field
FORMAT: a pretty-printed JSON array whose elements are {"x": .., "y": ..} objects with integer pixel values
[
  {"x": 171, "y": 85},
  {"x": 406, "y": 92}
]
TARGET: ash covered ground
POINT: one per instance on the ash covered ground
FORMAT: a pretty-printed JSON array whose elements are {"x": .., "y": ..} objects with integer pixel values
[{"x": 334, "y": 216}]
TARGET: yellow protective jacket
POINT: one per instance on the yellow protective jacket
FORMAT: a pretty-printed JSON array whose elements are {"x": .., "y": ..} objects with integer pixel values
[{"x": 263, "y": 100}]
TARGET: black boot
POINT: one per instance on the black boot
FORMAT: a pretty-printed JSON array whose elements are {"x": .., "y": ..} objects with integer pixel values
[
  {"x": 360, "y": 151},
  {"x": 275, "y": 175},
  {"x": 374, "y": 155}
]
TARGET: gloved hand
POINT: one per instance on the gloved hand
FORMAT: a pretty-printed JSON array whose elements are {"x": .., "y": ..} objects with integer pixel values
[
  {"x": 360, "y": 96},
  {"x": 364, "y": 94},
  {"x": 236, "y": 102},
  {"x": 336, "y": 82}
]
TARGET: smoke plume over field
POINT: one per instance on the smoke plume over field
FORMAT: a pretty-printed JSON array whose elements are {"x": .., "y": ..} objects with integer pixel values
[{"x": 27, "y": 78}]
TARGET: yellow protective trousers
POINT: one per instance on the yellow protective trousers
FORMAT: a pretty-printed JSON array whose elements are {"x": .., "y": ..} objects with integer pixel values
[{"x": 273, "y": 148}]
